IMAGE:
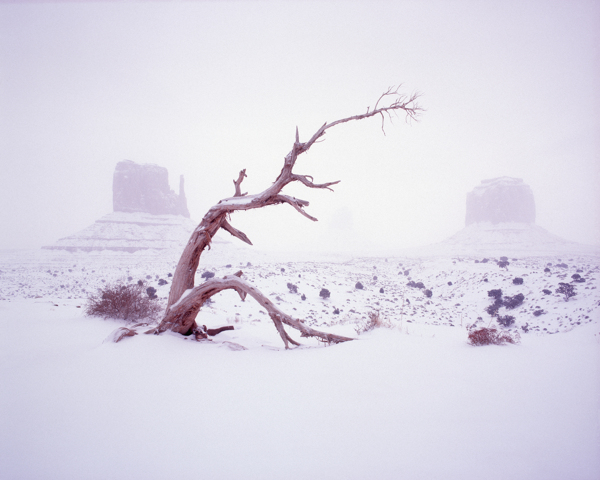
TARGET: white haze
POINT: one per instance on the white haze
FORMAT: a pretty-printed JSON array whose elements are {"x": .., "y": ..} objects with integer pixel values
[{"x": 208, "y": 88}]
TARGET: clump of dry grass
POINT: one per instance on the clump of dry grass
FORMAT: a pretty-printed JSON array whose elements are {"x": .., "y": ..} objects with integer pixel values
[
  {"x": 125, "y": 302},
  {"x": 374, "y": 321},
  {"x": 491, "y": 336}
]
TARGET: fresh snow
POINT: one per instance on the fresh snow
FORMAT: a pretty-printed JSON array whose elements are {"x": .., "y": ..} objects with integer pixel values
[{"x": 413, "y": 401}]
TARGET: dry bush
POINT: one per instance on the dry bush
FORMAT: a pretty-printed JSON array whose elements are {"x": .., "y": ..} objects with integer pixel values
[
  {"x": 374, "y": 321},
  {"x": 491, "y": 336},
  {"x": 126, "y": 302}
]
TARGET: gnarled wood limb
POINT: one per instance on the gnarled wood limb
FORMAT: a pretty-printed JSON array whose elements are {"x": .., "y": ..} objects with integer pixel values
[
  {"x": 238, "y": 182},
  {"x": 181, "y": 316},
  {"x": 217, "y": 217}
]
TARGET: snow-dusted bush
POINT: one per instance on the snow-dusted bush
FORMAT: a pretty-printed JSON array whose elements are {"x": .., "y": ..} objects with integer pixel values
[
  {"x": 494, "y": 307},
  {"x": 566, "y": 290},
  {"x": 517, "y": 281},
  {"x": 491, "y": 336},
  {"x": 506, "y": 320},
  {"x": 125, "y": 302},
  {"x": 514, "y": 301},
  {"x": 292, "y": 288},
  {"x": 428, "y": 293},
  {"x": 374, "y": 321},
  {"x": 495, "y": 293},
  {"x": 324, "y": 293}
]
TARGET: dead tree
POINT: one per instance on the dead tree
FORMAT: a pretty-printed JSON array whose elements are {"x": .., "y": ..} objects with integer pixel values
[{"x": 185, "y": 300}]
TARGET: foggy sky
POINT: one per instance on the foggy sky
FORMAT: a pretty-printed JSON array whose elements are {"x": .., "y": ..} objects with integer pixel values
[{"x": 208, "y": 88}]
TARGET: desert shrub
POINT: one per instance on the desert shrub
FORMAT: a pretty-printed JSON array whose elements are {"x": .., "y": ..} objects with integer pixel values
[
  {"x": 546, "y": 270},
  {"x": 428, "y": 293},
  {"x": 545, "y": 291},
  {"x": 125, "y": 302},
  {"x": 375, "y": 278},
  {"x": 206, "y": 274},
  {"x": 303, "y": 297},
  {"x": 324, "y": 293},
  {"x": 503, "y": 264},
  {"x": 504, "y": 259},
  {"x": 517, "y": 281},
  {"x": 485, "y": 260},
  {"x": 514, "y": 301},
  {"x": 566, "y": 290},
  {"x": 579, "y": 280},
  {"x": 506, "y": 320},
  {"x": 449, "y": 284},
  {"x": 148, "y": 277},
  {"x": 282, "y": 270},
  {"x": 151, "y": 292},
  {"x": 537, "y": 313},
  {"x": 373, "y": 321},
  {"x": 169, "y": 274},
  {"x": 162, "y": 282},
  {"x": 491, "y": 336},
  {"x": 336, "y": 311},
  {"x": 495, "y": 293},
  {"x": 575, "y": 276},
  {"x": 494, "y": 307},
  {"x": 562, "y": 265},
  {"x": 359, "y": 286},
  {"x": 292, "y": 288},
  {"x": 381, "y": 290}
]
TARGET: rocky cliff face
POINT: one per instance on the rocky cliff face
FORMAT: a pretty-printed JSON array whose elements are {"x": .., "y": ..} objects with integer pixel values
[
  {"x": 501, "y": 200},
  {"x": 145, "y": 189}
]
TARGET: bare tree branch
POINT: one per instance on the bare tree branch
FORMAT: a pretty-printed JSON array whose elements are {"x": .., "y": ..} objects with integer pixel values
[
  {"x": 183, "y": 313},
  {"x": 182, "y": 321},
  {"x": 238, "y": 191},
  {"x": 235, "y": 232}
]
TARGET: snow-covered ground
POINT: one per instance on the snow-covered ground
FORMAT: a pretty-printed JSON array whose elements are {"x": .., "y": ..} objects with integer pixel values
[{"x": 412, "y": 401}]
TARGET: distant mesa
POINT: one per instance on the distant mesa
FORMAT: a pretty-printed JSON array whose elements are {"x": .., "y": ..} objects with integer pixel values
[
  {"x": 500, "y": 220},
  {"x": 145, "y": 189},
  {"x": 147, "y": 215},
  {"x": 501, "y": 200}
]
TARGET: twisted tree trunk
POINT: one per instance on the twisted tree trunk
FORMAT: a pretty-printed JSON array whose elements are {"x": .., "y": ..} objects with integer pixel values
[{"x": 185, "y": 300}]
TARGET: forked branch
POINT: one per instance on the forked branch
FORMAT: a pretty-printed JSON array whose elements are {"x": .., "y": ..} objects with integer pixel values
[{"x": 180, "y": 315}]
